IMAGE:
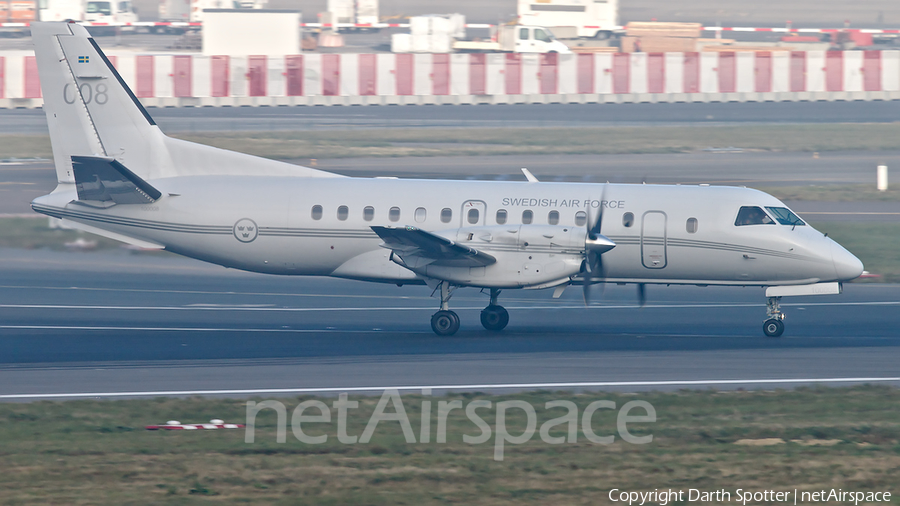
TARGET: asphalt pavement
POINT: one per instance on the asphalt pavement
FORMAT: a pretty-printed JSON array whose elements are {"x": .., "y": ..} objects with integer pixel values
[
  {"x": 255, "y": 119},
  {"x": 123, "y": 322}
]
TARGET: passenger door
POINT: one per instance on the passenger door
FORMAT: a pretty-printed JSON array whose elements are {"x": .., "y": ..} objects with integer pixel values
[{"x": 653, "y": 240}]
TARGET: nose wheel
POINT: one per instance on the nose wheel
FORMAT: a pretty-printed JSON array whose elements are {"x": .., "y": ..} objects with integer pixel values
[
  {"x": 774, "y": 324},
  {"x": 445, "y": 322}
]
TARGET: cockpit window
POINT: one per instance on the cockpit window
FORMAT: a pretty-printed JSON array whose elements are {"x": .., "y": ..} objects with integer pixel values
[
  {"x": 751, "y": 215},
  {"x": 784, "y": 216}
]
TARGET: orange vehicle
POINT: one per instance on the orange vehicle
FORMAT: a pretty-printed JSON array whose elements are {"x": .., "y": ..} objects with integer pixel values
[{"x": 18, "y": 11}]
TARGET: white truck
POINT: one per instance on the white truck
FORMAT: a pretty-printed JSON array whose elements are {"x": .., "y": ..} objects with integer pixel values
[
  {"x": 104, "y": 12},
  {"x": 94, "y": 11},
  {"x": 515, "y": 39},
  {"x": 191, "y": 11},
  {"x": 570, "y": 19},
  {"x": 60, "y": 10},
  {"x": 110, "y": 12},
  {"x": 355, "y": 12}
]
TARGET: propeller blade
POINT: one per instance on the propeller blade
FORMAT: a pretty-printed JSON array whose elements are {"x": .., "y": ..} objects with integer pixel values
[
  {"x": 642, "y": 294},
  {"x": 595, "y": 245}
]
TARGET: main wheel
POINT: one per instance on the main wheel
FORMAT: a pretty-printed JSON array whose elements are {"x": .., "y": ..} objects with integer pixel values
[
  {"x": 773, "y": 327},
  {"x": 494, "y": 318},
  {"x": 445, "y": 323}
]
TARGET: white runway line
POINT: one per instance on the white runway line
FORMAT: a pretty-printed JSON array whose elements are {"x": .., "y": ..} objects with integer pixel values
[{"x": 484, "y": 386}]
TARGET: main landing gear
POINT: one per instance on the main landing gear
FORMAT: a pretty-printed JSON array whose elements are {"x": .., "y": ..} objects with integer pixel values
[
  {"x": 774, "y": 324},
  {"x": 494, "y": 317},
  {"x": 446, "y": 322}
]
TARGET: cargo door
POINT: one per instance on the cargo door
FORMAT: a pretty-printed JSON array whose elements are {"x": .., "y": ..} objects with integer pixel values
[
  {"x": 653, "y": 240},
  {"x": 524, "y": 42}
]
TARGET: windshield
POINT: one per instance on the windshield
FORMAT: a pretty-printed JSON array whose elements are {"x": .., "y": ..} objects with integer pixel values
[
  {"x": 99, "y": 8},
  {"x": 542, "y": 35},
  {"x": 785, "y": 216},
  {"x": 752, "y": 215}
]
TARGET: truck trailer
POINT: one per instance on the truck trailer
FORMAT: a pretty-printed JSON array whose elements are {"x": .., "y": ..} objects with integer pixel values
[{"x": 569, "y": 19}]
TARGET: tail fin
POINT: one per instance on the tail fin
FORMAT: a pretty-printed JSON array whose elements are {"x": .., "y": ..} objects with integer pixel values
[{"x": 92, "y": 112}]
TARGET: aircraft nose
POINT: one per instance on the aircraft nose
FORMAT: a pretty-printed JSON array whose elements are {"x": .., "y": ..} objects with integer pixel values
[{"x": 846, "y": 265}]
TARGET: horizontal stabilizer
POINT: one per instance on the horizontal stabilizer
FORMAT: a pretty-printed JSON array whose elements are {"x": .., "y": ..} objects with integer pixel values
[
  {"x": 102, "y": 179},
  {"x": 412, "y": 242}
]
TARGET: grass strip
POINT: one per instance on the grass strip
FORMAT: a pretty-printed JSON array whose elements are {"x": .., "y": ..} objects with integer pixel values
[
  {"x": 392, "y": 142},
  {"x": 97, "y": 452}
]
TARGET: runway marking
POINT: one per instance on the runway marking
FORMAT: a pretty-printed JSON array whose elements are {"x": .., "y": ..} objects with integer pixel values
[
  {"x": 429, "y": 308},
  {"x": 200, "y": 292},
  {"x": 197, "y": 329},
  {"x": 483, "y": 386}
]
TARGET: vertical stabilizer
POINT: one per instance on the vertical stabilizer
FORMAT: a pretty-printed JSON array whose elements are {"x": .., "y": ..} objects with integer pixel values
[{"x": 90, "y": 110}]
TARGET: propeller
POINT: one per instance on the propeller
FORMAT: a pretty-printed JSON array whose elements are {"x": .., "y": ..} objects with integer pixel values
[
  {"x": 595, "y": 244},
  {"x": 642, "y": 294}
]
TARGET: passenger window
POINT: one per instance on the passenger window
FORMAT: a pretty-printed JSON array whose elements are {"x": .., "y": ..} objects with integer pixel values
[
  {"x": 540, "y": 35},
  {"x": 752, "y": 215},
  {"x": 394, "y": 214},
  {"x": 527, "y": 217},
  {"x": 501, "y": 216},
  {"x": 446, "y": 215},
  {"x": 553, "y": 218},
  {"x": 580, "y": 218},
  {"x": 523, "y": 33},
  {"x": 628, "y": 219},
  {"x": 785, "y": 216},
  {"x": 368, "y": 213},
  {"x": 692, "y": 225},
  {"x": 472, "y": 216},
  {"x": 420, "y": 215},
  {"x": 317, "y": 212},
  {"x": 343, "y": 212}
]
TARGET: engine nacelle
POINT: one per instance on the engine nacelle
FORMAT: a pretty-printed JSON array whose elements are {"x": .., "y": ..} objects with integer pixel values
[{"x": 527, "y": 255}]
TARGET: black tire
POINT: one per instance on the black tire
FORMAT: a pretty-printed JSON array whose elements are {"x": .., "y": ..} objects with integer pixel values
[
  {"x": 445, "y": 323},
  {"x": 494, "y": 318},
  {"x": 773, "y": 327}
]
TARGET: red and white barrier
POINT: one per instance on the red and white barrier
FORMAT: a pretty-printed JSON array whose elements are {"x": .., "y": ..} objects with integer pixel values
[
  {"x": 309, "y": 79},
  {"x": 185, "y": 24}
]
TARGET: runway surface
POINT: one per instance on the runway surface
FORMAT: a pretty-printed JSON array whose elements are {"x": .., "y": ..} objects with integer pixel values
[
  {"x": 204, "y": 119},
  {"x": 120, "y": 322}
]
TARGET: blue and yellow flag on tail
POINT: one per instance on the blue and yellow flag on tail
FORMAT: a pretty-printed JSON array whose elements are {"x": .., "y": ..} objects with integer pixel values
[{"x": 84, "y": 59}]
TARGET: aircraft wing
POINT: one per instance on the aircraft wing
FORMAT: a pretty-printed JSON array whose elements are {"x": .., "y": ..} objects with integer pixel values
[{"x": 417, "y": 247}]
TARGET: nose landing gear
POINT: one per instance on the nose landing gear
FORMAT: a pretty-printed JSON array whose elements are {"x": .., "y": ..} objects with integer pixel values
[
  {"x": 774, "y": 324},
  {"x": 445, "y": 322}
]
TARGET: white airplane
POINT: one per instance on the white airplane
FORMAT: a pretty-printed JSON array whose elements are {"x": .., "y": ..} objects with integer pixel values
[{"x": 121, "y": 177}]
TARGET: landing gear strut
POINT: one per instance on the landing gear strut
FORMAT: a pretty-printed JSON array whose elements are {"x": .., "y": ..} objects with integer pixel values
[
  {"x": 494, "y": 317},
  {"x": 445, "y": 322},
  {"x": 774, "y": 324}
]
